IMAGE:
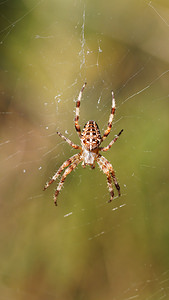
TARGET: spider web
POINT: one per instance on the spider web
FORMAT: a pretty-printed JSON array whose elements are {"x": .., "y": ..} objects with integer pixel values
[{"x": 84, "y": 248}]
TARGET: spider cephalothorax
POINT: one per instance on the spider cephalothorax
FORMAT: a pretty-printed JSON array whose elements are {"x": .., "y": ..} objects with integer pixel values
[{"x": 91, "y": 139}]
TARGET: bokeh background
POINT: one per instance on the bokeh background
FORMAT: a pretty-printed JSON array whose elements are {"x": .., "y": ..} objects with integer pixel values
[{"x": 85, "y": 248}]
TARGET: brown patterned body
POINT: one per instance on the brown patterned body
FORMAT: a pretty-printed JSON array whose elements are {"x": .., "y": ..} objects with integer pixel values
[{"x": 91, "y": 137}]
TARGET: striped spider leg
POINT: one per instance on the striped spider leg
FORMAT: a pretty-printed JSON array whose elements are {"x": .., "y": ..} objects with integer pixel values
[
  {"x": 111, "y": 143},
  {"x": 90, "y": 139},
  {"x": 109, "y": 126},
  {"x": 71, "y": 164},
  {"x": 107, "y": 169},
  {"x": 77, "y": 126}
]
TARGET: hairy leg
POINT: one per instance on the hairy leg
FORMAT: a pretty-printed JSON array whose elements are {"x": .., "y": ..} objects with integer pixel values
[
  {"x": 62, "y": 180},
  {"x": 62, "y": 167},
  {"x": 109, "y": 126},
  {"x": 77, "y": 126},
  {"x": 111, "y": 143},
  {"x": 108, "y": 165},
  {"x": 105, "y": 170},
  {"x": 68, "y": 141}
]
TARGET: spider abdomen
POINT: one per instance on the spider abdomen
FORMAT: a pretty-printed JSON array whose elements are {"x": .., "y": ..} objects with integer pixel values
[{"x": 91, "y": 137}]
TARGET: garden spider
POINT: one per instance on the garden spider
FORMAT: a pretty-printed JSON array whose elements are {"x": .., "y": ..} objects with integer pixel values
[{"x": 90, "y": 139}]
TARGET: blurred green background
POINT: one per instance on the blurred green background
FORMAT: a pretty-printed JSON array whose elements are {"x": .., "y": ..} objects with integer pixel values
[{"x": 85, "y": 248}]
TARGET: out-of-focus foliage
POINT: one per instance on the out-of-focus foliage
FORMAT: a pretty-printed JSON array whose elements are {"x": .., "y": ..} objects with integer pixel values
[{"x": 84, "y": 248}]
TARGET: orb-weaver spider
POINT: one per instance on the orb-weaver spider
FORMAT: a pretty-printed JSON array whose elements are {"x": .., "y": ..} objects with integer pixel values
[{"x": 90, "y": 139}]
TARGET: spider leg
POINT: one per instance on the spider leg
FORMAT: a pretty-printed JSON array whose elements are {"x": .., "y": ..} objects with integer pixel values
[
  {"x": 62, "y": 167},
  {"x": 77, "y": 126},
  {"x": 68, "y": 141},
  {"x": 105, "y": 170},
  {"x": 111, "y": 143},
  {"x": 107, "y": 131},
  {"x": 115, "y": 181},
  {"x": 108, "y": 165},
  {"x": 62, "y": 180}
]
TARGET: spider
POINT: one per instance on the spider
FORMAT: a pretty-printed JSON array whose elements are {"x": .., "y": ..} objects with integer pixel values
[{"x": 90, "y": 139}]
